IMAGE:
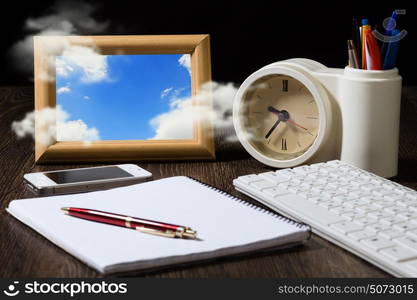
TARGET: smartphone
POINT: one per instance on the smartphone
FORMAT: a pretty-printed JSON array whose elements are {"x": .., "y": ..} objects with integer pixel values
[{"x": 85, "y": 179}]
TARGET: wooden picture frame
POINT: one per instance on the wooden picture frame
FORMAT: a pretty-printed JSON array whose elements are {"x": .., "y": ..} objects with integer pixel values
[{"x": 201, "y": 146}]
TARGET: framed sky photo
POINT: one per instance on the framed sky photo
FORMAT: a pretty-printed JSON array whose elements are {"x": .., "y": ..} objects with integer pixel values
[{"x": 122, "y": 98}]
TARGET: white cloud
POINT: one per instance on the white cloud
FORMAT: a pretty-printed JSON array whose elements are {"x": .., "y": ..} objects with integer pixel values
[
  {"x": 185, "y": 61},
  {"x": 66, "y": 18},
  {"x": 91, "y": 64},
  {"x": 63, "y": 89},
  {"x": 62, "y": 68},
  {"x": 173, "y": 93},
  {"x": 86, "y": 98},
  {"x": 177, "y": 122},
  {"x": 57, "y": 127},
  {"x": 166, "y": 92},
  {"x": 76, "y": 131}
]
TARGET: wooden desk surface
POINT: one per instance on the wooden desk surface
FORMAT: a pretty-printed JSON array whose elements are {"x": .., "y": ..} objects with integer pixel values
[{"x": 24, "y": 253}]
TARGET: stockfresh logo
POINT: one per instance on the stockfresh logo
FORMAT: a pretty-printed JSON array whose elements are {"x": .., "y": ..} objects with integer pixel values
[{"x": 12, "y": 290}]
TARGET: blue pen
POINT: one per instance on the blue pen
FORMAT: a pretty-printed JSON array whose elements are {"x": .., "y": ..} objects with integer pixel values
[
  {"x": 391, "y": 52},
  {"x": 389, "y": 27}
]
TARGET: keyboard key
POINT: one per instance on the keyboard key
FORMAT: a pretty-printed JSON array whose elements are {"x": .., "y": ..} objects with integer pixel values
[
  {"x": 409, "y": 215},
  {"x": 341, "y": 210},
  {"x": 274, "y": 192},
  {"x": 404, "y": 226},
  {"x": 345, "y": 198},
  {"x": 359, "y": 194},
  {"x": 356, "y": 183},
  {"x": 295, "y": 182},
  {"x": 377, "y": 227},
  {"x": 303, "y": 170},
  {"x": 346, "y": 227},
  {"x": 399, "y": 253},
  {"x": 320, "y": 165},
  {"x": 368, "y": 187},
  {"x": 393, "y": 197},
  {"x": 411, "y": 195},
  {"x": 248, "y": 178},
  {"x": 380, "y": 214},
  {"x": 329, "y": 193},
  {"x": 274, "y": 177},
  {"x": 403, "y": 190},
  {"x": 353, "y": 215},
  {"x": 378, "y": 243},
  {"x": 308, "y": 194},
  {"x": 391, "y": 234},
  {"x": 408, "y": 242},
  {"x": 412, "y": 233},
  {"x": 262, "y": 184},
  {"x": 405, "y": 202},
  {"x": 330, "y": 204},
  {"x": 355, "y": 203},
  {"x": 355, "y": 172},
  {"x": 392, "y": 220},
  {"x": 366, "y": 208},
  {"x": 365, "y": 221},
  {"x": 383, "y": 203},
  {"x": 396, "y": 209},
  {"x": 389, "y": 185},
  {"x": 283, "y": 185},
  {"x": 309, "y": 210},
  {"x": 286, "y": 172},
  {"x": 362, "y": 234},
  {"x": 381, "y": 192}
]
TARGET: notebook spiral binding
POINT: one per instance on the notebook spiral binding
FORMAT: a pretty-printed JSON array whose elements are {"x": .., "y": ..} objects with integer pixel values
[{"x": 258, "y": 208}]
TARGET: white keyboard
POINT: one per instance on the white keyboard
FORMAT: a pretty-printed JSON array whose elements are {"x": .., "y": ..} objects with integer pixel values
[{"x": 368, "y": 215}]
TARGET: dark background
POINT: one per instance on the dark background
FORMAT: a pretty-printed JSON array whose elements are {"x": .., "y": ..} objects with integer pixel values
[{"x": 245, "y": 35}]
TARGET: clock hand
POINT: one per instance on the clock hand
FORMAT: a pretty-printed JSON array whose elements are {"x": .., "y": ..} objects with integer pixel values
[
  {"x": 273, "y": 128},
  {"x": 273, "y": 110},
  {"x": 298, "y": 125}
]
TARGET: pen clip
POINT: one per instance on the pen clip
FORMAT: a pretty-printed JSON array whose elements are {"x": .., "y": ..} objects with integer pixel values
[{"x": 165, "y": 233}]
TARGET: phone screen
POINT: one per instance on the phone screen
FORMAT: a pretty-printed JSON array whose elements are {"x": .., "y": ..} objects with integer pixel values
[{"x": 71, "y": 176}]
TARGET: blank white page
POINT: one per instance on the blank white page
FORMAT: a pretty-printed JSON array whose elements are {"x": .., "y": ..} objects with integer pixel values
[{"x": 225, "y": 225}]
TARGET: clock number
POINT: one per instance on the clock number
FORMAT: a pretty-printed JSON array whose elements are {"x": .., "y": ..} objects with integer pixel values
[
  {"x": 285, "y": 85},
  {"x": 284, "y": 144}
]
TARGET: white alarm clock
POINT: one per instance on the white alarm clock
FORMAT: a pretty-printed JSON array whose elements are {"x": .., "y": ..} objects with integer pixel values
[{"x": 297, "y": 111}]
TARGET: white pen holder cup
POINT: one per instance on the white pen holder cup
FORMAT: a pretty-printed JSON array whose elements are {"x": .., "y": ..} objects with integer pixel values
[
  {"x": 370, "y": 110},
  {"x": 366, "y": 116}
]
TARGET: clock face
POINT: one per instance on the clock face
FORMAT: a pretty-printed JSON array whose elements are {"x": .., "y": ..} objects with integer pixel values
[{"x": 280, "y": 117}]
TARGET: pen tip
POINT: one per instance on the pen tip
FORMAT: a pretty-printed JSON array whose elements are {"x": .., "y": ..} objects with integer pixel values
[{"x": 65, "y": 209}]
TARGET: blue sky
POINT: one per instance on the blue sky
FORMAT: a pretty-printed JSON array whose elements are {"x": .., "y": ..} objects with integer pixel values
[{"x": 119, "y": 94}]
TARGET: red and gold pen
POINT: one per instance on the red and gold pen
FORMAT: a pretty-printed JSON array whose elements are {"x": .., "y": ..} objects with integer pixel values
[{"x": 142, "y": 225}]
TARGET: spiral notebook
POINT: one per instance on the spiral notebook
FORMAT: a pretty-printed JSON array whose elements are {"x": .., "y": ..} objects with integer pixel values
[{"x": 225, "y": 224}]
